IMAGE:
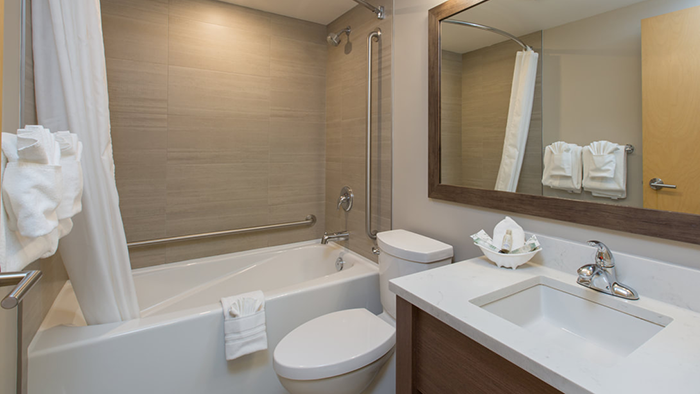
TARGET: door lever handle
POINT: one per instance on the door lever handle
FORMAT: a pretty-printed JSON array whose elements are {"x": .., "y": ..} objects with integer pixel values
[{"x": 658, "y": 184}]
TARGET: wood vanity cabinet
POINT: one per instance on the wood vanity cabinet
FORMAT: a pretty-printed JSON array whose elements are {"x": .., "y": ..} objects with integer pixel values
[{"x": 434, "y": 358}]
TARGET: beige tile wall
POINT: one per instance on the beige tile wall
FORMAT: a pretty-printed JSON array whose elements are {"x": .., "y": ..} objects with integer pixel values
[
  {"x": 346, "y": 98},
  {"x": 218, "y": 122},
  {"x": 486, "y": 84},
  {"x": 451, "y": 118}
]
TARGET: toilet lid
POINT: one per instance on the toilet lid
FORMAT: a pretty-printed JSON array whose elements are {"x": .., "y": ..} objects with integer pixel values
[{"x": 333, "y": 344}]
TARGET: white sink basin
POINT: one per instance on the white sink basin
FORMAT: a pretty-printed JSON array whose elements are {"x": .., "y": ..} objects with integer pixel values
[{"x": 597, "y": 326}]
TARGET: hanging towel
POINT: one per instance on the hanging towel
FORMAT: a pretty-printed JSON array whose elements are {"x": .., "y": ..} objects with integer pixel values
[
  {"x": 605, "y": 170},
  {"x": 32, "y": 185},
  {"x": 562, "y": 167},
  {"x": 518, "y": 125},
  {"x": 20, "y": 251},
  {"x": 71, "y": 151},
  {"x": 245, "y": 331}
]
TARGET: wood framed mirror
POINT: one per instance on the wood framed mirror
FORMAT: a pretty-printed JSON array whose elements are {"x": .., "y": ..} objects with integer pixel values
[{"x": 652, "y": 114}]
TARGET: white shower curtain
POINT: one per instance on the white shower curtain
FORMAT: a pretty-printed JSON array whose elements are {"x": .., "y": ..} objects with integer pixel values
[
  {"x": 521, "y": 98},
  {"x": 71, "y": 94}
]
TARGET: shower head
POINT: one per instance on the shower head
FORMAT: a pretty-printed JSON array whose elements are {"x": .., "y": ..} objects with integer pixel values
[{"x": 334, "y": 38}]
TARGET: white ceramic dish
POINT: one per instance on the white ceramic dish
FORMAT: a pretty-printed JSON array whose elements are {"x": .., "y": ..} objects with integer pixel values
[{"x": 508, "y": 260}]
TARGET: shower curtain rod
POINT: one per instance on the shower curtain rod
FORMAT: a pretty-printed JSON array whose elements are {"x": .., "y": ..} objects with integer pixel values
[
  {"x": 488, "y": 28},
  {"x": 379, "y": 11}
]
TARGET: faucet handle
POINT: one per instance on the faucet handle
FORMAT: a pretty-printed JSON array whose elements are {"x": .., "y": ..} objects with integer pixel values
[
  {"x": 345, "y": 199},
  {"x": 341, "y": 200},
  {"x": 603, "y": 256}
]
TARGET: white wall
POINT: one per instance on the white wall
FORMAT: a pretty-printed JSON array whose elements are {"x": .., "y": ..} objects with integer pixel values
[{"x": 453, "y": 223}]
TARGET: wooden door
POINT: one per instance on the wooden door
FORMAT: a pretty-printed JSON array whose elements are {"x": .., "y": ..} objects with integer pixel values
[{"x": 671, "y": 109}]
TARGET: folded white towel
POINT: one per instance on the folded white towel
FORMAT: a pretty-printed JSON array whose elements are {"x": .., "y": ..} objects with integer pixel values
[
  {"x": 71, "y": 151},
  {"x": 605, "y": 170},
  {"x": 36, "y": 144},
  {"x": 562, "y": 167},
  {"x": 245, "y": 330},
  {"x": 19, "y": 251},
  {"x": 32, "y": 185}
]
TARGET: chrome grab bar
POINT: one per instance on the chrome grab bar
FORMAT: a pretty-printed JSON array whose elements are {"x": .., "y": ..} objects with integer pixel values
[
  {"x": 23, "y": 281},
  {"x": 375, "y": 35},
  {"x": 309, "y": 221}
]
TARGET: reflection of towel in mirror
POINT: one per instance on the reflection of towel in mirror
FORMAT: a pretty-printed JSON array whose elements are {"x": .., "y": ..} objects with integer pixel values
[
  {"x": 605, "y": 170},
  {"x": 562, "y": 167}
]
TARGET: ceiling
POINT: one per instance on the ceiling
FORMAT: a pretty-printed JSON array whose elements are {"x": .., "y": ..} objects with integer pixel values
[
  {"x": 318, "y": 11},
  {"x": 520, "y": 17}
]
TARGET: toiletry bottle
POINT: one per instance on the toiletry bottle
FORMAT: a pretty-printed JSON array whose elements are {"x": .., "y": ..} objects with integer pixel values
[{"x": 507, "y": 243}]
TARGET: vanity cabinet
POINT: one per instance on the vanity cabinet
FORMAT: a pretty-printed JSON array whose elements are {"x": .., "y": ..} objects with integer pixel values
[{"x": 434, "y": 358}]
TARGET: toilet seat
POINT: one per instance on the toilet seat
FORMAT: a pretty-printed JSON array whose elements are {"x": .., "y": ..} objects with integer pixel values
[{"x": 333, "y": 344}]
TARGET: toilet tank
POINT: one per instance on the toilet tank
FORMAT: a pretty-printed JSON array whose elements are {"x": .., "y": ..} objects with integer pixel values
[{"x": 403, "y": 253}]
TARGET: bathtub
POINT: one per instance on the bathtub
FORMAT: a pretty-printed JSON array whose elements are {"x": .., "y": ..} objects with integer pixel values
[{"x": 177, "y": 344}]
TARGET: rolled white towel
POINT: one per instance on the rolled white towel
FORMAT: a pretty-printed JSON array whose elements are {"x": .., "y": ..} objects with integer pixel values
[
  {"x": 245, "y": 330},
  {"x": 19, "y": 251},
  {"x": 71, "y": 151},
  {"x": 32, "y": 185},
  {"x": 36, "y": 144}
]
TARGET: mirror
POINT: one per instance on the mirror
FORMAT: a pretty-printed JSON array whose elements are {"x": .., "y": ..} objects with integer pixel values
[{"x": 581, "y": 105}]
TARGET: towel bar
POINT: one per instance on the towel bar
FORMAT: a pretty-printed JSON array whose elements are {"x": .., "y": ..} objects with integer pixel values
[
  {"x": 309, "y": 221},
  {"x": 24, "y": 282}
]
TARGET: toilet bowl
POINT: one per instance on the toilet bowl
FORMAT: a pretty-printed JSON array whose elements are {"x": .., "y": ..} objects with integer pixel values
[{"x": 342, "y": 352}]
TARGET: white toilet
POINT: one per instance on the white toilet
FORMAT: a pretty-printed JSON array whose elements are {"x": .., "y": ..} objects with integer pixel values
[{"x": 342, "y": 352}]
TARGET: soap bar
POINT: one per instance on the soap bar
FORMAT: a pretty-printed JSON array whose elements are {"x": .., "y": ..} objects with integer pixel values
[{"x": 516, "y": 232}]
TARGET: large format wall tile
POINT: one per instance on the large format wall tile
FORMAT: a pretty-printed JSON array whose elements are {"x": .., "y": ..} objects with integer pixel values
[
  {"x": 137, "y": 87},
  {"x": 218, "y": 122},
  {"x": 346, "y": 126},
  {"x": 207, "y": 46}
]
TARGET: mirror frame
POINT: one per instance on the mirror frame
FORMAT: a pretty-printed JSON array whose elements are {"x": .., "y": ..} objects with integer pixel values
[{"x": 676, "y": 226}]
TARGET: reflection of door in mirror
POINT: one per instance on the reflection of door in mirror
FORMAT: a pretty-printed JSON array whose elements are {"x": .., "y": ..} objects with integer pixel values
[{"x": 670, "y": 99}]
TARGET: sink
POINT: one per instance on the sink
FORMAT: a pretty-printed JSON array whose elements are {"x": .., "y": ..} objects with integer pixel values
[{"x": 595, "y": 326}]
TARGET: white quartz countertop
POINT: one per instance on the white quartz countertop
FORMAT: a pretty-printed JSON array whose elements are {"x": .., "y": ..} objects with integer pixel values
[{"x": 669, "y": 362}]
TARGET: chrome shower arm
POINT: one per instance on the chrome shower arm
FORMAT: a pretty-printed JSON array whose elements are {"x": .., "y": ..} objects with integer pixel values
[{"x": 379, "y": 11}]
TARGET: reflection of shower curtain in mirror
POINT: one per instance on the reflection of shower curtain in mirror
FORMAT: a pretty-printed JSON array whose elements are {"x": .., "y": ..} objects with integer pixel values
[{"x": 518, "y": 125}]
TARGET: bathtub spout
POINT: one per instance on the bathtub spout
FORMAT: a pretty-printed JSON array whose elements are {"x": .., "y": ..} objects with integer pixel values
[{"x": 334, "y": 237}]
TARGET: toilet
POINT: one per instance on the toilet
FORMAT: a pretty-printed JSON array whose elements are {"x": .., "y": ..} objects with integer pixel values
[{"x": 342, "y": 352}]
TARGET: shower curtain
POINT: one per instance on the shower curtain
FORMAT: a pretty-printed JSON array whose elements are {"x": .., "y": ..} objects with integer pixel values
[
  {"x": 521, "y": 99},
  {"x": 71, "y": 94}
]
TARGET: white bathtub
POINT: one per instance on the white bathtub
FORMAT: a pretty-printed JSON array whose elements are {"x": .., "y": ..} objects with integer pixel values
[{"x": 177, "y": 344}]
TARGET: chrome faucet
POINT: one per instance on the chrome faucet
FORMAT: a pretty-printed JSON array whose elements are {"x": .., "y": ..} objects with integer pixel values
[
  {"x": 334, "y": 236},
  {"x": 601, "y": 276}
]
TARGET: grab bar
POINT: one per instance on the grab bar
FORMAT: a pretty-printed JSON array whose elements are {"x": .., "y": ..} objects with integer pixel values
[
  {"x": 309, "y": 221},
  {"x": 24, "y": 282},
  {"x": 375, "y": 35}
]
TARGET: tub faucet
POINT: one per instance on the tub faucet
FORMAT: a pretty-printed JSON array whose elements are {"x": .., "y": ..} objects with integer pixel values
[
  {"x": 601, "y": 276},
  {"x": 334, "y": 236}
]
